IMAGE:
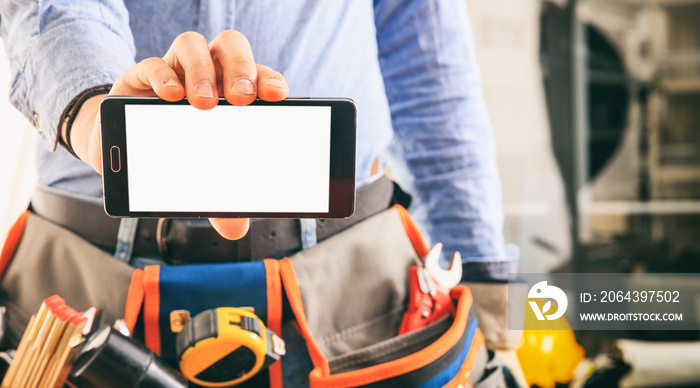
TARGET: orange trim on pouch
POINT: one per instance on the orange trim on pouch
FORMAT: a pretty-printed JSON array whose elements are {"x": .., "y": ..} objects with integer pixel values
[
  {"x": 274, "y": 314},
  {"x": 412, "y": 231},
  {"x": 291, "y": 287},
  {"x": 322, "y": 379},
  {"x": 12, "y": 241},
  {"x": 151, "y": 307},
  {"x": 134, "y": 299}
]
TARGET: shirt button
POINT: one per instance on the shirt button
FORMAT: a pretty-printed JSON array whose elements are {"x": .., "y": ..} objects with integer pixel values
[{"x": 36, "y": 121}]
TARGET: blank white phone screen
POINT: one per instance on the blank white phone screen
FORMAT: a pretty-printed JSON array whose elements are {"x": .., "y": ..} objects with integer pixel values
[{"x": 228, "y": 159}]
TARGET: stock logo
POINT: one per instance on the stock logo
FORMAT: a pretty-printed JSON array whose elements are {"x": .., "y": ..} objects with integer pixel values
[{"x": 542, "y": 291}]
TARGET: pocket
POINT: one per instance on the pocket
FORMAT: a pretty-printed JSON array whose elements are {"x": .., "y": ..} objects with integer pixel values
[
  {"x": 199, "y": 287},
  {"x": 49, "y": 259},
  {"x": 423, "y": 360},
  {"x": 391, "y": 349},
  {"x": 354, "y": 286},
  {"x": 348, "y": 294}
]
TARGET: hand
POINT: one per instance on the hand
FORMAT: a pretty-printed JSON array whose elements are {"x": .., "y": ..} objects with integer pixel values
[{"x": 223, "y": 67}]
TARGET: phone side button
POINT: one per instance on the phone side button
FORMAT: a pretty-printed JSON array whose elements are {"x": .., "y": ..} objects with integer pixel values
[{"x": 115, "y": 157}]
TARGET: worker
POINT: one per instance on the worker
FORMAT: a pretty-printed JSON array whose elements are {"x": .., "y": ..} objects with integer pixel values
[{"x": 409, "y": 65}]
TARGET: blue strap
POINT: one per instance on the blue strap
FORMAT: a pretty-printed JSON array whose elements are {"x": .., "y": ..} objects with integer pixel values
[
  {"x": 125, "y": 239},
  {"x": 308, "y": 233}
]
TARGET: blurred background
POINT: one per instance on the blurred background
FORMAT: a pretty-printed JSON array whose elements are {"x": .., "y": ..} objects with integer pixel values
[
  {"x": 596, "y": 111},
  {"x": 595, "y": 104}
]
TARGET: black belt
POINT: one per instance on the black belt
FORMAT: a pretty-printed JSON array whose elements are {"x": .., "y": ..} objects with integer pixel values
[{"x": 195, "y": 241}]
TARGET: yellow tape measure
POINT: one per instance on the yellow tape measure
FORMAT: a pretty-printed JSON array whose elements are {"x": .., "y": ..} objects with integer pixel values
[{"x": 226, "y": 346}]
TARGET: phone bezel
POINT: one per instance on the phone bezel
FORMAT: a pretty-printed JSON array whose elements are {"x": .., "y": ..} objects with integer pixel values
[{"x": 342, "y": 159}]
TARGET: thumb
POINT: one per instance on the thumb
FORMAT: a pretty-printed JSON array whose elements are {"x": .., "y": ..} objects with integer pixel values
[{"x": 231, "y": 228}]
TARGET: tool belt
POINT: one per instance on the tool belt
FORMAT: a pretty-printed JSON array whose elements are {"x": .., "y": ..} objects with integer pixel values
[
  {"x": 195, "y": 241},
  {"x": 342, "y": 299}
]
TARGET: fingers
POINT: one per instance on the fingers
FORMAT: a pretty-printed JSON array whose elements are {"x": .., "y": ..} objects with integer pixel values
[
  {"x": 271, "y": 85},
  {"x": 231, "y": 228},
  {"x": 189, "y": 56},
  {"x": 231, "y": 50},
  {"x": 152, "y": 75}
]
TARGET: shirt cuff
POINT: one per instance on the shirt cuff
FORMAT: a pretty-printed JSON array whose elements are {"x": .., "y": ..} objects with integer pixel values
[
  {"x": 491, "y": 270},
  {"x": 64, "y": 62}
]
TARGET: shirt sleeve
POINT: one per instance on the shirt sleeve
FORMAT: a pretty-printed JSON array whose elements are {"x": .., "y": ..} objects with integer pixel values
[
  {"x": 432, "y": 81},
  {"x": 57, "y": 49}
]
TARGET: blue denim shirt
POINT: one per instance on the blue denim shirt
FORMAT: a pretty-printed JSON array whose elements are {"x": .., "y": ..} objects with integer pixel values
[{"x": 408, "y": 64}]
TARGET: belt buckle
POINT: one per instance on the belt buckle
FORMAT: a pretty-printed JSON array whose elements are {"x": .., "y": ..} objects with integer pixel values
[{"x": 161, "y": 237}]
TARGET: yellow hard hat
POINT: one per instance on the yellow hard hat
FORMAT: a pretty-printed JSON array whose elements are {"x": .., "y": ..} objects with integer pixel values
[{"x": 550, "y": 355}]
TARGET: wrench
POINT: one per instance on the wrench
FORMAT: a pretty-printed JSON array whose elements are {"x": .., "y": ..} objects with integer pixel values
[
  {"x": 446, "y": 278},
  {"x": 429, "y": 290}
]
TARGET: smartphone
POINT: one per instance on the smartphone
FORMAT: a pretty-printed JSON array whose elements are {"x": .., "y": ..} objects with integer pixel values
[{"x": 289, "y": 159}]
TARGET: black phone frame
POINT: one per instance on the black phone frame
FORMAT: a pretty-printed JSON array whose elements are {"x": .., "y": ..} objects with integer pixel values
[{"x": 342, "y": 159}]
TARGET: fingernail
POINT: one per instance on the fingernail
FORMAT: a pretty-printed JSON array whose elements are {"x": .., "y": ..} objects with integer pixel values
[
  {"x": 275, "y": 82},
  {"x": 205, "y": 90},
  {"x": 244, "y": 86},
  {"x": 171, "y": 82}
]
